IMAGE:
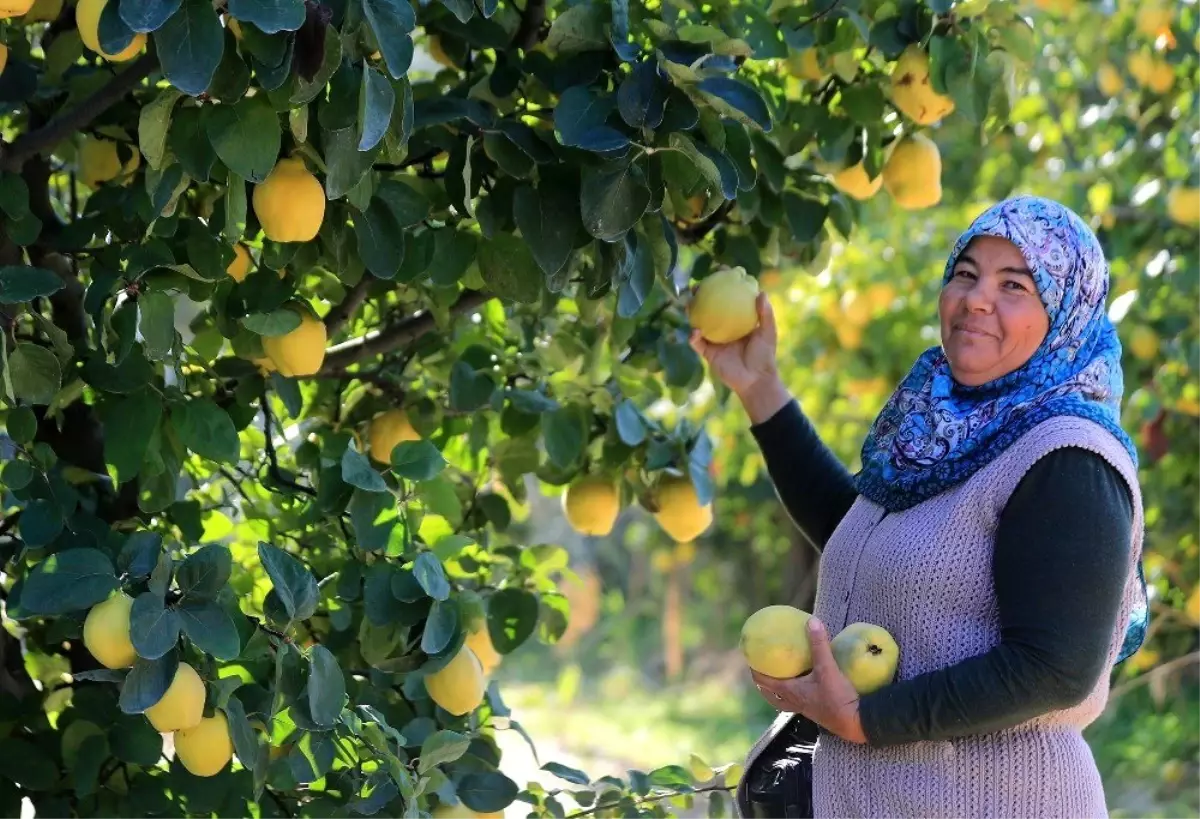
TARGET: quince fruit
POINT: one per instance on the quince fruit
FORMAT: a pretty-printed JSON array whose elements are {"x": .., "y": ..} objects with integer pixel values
[
  {"x": 87, "y": 20},
  {"x": 724, "y": 307},
  {"x": 290, "y": 202},
  {"x": 679, "y": 511},
  {"x": 1183, "y": 205},
  {"x": 458, "y": 687},
  {"x": 1192, "y": 606},
  {"x": 206, "y": 748},
  {"x": 99, "y": 161},
  {"x": 806, "y": 65},
  {"x": 591, "y": 505},
  {"x": 775, "y": 642},
  {"x": 300, "y": 352},
  {"x": 1143, "y": 343},
  {"x": 106, "y": 632},
  {"x": 912, "y": 90},
  {"x": 853, "y": 181},
  {"x": 867, "y": 654},
  {"x": 479, "y": 640},
  {"x": 182, "y": 707},
  {"x": 240, "y": 265},
  {"x": 388, "y": 429},
  {"x": 913, "y": 173},
  {"x": 1109, "y": 81}
]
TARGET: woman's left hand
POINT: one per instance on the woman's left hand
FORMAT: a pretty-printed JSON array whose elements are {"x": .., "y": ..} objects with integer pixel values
[{"x": 823, "y": 695}]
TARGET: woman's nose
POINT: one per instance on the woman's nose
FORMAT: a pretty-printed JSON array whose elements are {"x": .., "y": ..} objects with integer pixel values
[{"x": 979, "y": 298}]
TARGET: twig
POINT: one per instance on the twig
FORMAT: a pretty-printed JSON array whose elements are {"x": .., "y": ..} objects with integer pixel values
[
  {"x": 347, "y": 307},
  {"x": 341, "y": 356},
  {"x": 78, "y": 117},
  {"x": 1153, "y": 673},
  {"x": 236, "y": 484},
  {"x": 828, "y": 10},
  {"x": 272, "y": 458},
  {"x": 10, "y": 521},
  {"x": 532, "y": 17},
  {"x": 279, "y": 801},
  {"x": 694, "y": 233},
  {"x": 647, "y": 800}
]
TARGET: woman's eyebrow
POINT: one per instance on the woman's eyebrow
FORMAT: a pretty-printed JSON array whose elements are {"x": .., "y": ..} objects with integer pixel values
[{"x": 1020, "y": 271}]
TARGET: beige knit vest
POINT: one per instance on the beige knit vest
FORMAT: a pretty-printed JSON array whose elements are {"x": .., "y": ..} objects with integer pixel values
[{"x": 925, "y": 575}]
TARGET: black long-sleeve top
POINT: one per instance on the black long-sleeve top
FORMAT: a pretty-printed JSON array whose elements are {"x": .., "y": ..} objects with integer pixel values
[{"x": 1059, "y": 566}]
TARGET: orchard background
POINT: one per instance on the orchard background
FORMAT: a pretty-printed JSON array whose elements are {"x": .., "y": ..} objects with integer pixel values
[{"x": 489, "y": 214}]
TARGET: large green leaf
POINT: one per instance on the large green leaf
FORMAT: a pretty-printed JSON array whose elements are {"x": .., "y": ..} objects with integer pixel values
[
  {"x": 156, "y": 323},
  {"x": 20, "y": 283},
  {"x": 208, "y": 626},
  {"x": 271, "y": 16},
  {"x": 509, "y": 269},
  {"x": 153, "y": 627},
  {"x": 357, "y": 471},
  {"x": 376, "y": 99},
  {"x": 34, "y": 373},
  {"x": 440, "y": 627},
  {"x": 380, "y": 239},
  {"x": 417, "y": 460},
  {"x": 612, "y": 200},
  {"x": 68, "y": 581},
  {"x": 565, "y": 435},
  {"x": 294, "y": 583},
  {"x": 206, "y": 429},
  {"x": 489, "y": 792},
  {"x": 441, "y": 747},
  {"x": 147, "y": 682},
  {"x": 147, "y": 15},
  {"x": 205, "y": 572},
  {"x": 372, "y": 517},
  {"x": 392, "y": 21},
  {"x": 326, "y": 686},
  {"x": 246, "y": 136},
  {"x": 512, "y": 617},
  {"x": 245, "y": 738},
  {"x": 548, "y": 217},
  {"x": 189, "y": 46},
  {"x": 129, "y": 425},
  {"x": 427, "y": 570},
  {"x": 27, "y": 764}
]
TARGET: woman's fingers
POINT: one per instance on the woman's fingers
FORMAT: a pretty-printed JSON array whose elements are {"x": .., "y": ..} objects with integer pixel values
[
  {"x": 766, "y": 318},
  {"x": 697, "y": 343}
]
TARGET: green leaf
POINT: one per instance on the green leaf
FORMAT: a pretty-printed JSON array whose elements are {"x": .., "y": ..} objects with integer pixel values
[
  {"x": 441, "y": 747},
  {"x": 189, "y": 46},
  {"x": 454, "y": 251},
  {"x": 630, "y": 427},
  {"x": 440, "y": 627},
  {"x": 16, "y": 475},
  {"x": 21, "y": 425},
  {"x": 154, "y": 122},
  {"x": 565, "y": 435},
  {"x": 512, "y": 617},
  {"x": 245, "y": 738},
  {"x": 246, "y": 136},
  {"x": 21, "y": 283},
  {"x": 417, "y": 460},
  {"x": 27, "y": 765},
  {"x": 469, "y": 390},
  {"x": 432, "y": 578},
  {"x": 41, "y": 523},
  {"x": 205, "y": 572},
  {"x": 613, "y": 200},
  {"x": 294, "y": 583},
  {"x": 376, "y": 100},
  {"x": 577, "y": 29},
  {"x": 392, "y": 21},
  {"x": 409, "y": 206},
  {"x": 642, "y": 97},
  {"x": 146, "y": 16},
  {"x": 380, "y": 240},
  {"x": 139, "y": 554},
  {"x": 373, "y": 517},
  {"x": 235, "y": 209},
  {"x": 156, "y": 323},
  {"x": 357, "y": 471},
  {"x": 275, "y": 323},
  {"x": 129, "y": 425},
  {"x": 572, "y": 775},
  {"x": 72, "y": 580},
  {"x": 271, "y": 16},
  {"x": 639, "y": 280},
  {"x": 147, "y": 682},
  {"x": 326, "y": 686},
  {"x": 805, "y": 216},
  {"x": 548, "y": 217},
  {"x": 509, "y": 269},
  {"x": 489, "y": 792},
  {"x": 35, "y": 374},
  {"x": 153, "y": 628},
  {"x": 206, "y": 429},
  {"x": 209, "y": 628},
  {"x": 345, "y": 164},
  {"x": 736, "y": 99},
  {"x": 88, "y": 760},
  {"x": 134, "y": 740},
  {"x": 160, "y": 578}
]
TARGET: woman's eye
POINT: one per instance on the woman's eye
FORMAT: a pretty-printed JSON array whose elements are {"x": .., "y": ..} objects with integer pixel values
[
  {"x": 966, "y": 273},
  {"x": 1014, "y": 285}
]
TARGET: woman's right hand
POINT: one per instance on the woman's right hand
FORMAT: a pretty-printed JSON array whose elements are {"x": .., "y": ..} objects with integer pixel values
[{"x": 748, "y": 364}]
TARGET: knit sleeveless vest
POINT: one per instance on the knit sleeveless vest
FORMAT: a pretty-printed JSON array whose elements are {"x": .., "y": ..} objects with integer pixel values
[{"x": 925, "y": 575}]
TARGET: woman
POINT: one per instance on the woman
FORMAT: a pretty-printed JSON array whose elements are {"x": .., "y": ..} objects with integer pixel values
[{"x": 995, "y": 531}]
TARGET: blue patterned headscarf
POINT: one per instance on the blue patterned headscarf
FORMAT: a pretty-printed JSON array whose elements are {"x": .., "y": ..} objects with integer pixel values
[{"x": 934, "y": 433}]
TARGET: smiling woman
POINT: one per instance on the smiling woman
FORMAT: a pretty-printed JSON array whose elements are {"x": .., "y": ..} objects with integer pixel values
[{"x": 995, "y": 532}]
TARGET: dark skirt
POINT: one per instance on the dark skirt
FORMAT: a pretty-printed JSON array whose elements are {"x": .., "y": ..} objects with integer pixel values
[{"x": 779, "y": 782}]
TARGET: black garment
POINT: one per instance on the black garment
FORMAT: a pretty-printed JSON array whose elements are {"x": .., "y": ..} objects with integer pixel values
[{"x": 1059, "y": 566}]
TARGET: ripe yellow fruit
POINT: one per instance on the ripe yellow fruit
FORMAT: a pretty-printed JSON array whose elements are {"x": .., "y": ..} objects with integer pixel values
[
  {"x": 106, "y": 632},
  {"x": 459, "y": 687},
  {"x": 480, "y": 643},
  {"x": 1144, "y": 658},
  {"x": 853, "y": 181},
  {"x": 867, "y": 654},
  {"x": 300, "y": 352},
  {"x": 290, "y": 202},
  {"x": 1108, "y": 79},
  {"x": 1151, "y": 72},
  {"x": 3, "y": 57},
  {"x": 434, "y": 47},
  {"x": 1183, "y": 205},
  {"x": 1152, "y": 18},
  {"x": 591, "y": 505},
  {"x": 87, "y": 20},
  {"x": 14, "y": 8},
  {"x": 856, "y": 308},
  {"x": 912, "y": 89},
  {"x": 913, "y": 173},
  {"x": 1143, "y": 343},
  {"x": 1192, "y": 606},
  {"x": 881, "y": 295},
  {"x": 724, "y": 307},
  {"x": 461, "y": 811},
  {"x": 775, "y": 642},
  {"x": 240, "y": 265},
  {"x": 388, "y": 429},
  {"x": 679, "y": 511},
  {"x": 44, "y": 11},
  {"x": 182, "y": 707},
  {"x": 99, "y": 162},
  {"x": 806, "y": 65},
  {"x": 206, "y": 748}
]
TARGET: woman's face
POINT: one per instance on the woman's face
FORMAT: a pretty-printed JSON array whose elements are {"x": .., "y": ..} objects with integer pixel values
[{"x": 991, "y": 315}]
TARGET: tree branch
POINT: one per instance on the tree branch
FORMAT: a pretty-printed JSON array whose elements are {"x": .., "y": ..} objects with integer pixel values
[
  {"x": 78, "y": 117},
  {"x": 658, "y": 797},
  {"x": 345, "y": 310},
  {"x": 532, "y": 18},
  {"x": 341, "y": 356},
  {"x": 694, "y": 233},
  {"x": 272, "y": 457}
]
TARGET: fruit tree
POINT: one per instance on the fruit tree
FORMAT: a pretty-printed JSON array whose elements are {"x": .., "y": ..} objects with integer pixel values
[{"x": 293, "y": 319}]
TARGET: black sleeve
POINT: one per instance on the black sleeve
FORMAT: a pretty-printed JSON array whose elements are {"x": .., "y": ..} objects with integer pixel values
[
  {"x": 1059, "y": 567},
  {"x": 816, "y": 489}
]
